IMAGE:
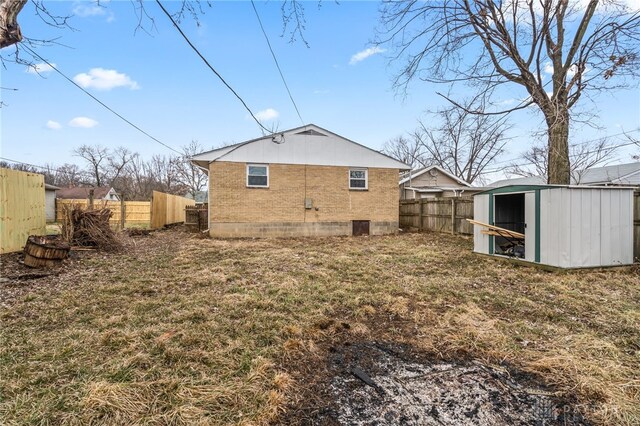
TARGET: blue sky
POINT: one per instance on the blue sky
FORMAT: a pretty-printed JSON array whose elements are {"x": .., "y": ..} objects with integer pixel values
[{"x": 154, "y": 80}]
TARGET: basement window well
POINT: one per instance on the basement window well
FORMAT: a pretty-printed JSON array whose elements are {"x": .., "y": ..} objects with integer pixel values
[{"x": 509, "y": 213}]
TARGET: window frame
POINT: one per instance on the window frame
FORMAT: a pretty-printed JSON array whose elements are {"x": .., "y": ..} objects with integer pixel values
[
  {"x": 266, "y": 166},
  {"x": 366, "y": 178}
]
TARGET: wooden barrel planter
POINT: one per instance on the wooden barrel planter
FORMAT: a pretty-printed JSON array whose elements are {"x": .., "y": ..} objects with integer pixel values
[{"x": 44, "y": 251}]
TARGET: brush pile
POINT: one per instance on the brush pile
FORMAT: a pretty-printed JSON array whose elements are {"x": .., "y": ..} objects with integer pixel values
[{"x": 89, "y": 228}]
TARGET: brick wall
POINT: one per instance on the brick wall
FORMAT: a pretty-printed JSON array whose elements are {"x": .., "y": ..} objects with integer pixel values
[{"x": 231, "y": 202}]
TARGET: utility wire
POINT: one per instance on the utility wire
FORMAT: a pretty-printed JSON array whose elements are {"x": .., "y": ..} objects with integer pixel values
[
  {"x": 530, "y": 163},
  {"x": 30, "y": 165},
  {"x": 276, "y": 61},
  {"x": 195, "y": 49},
  {"x": 586, "y": 142},
  {"x": 28, "y": 49}
]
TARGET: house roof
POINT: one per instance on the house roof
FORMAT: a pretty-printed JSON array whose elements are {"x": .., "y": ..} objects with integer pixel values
[
  {"x": 618, "y": 174},
  {"x": 405, "y": 177},
  {"x": 82, "y": 192},
  {"x": 309, "y": 144},
  {"x": 51, "y": 187}
]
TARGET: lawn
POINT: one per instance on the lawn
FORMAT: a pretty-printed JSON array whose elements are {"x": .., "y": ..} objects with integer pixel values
[{"x": 183, "y": 330}]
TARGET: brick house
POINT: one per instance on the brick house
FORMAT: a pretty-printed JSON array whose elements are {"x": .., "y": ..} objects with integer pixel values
[{"x": 305, "y": 181}]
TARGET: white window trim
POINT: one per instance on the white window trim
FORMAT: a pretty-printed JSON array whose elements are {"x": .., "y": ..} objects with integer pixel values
[
  {"x": 247, "y": 175},
  {"x": 366, "y": 178}
]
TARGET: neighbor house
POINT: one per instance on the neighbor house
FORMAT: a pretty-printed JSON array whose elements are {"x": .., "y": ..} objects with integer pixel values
[
  {"x": 615, "y": 175},
  {"x": 306, "y": 181},
  {"x": 50, "y": 202},
  {"x": 100, "y": 193},
  {"x": 432, "y": 182}
]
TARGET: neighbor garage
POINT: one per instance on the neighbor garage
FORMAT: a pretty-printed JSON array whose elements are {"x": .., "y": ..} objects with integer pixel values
[{"x": 563, "y": 226}]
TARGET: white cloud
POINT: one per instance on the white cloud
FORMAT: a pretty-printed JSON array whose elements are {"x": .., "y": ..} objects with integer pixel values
[
  {"x": 53, "y": 125},
  {"x": 84, "y": 122},
  {"x": 548, "y": 68},
  {"x": 40, "y": 68},
  {"x": 103, "y": 79},
  {"x": 364, "y": 54},
  {"x": 86, "y": 9},
  {"x": 268, "y": 114}
]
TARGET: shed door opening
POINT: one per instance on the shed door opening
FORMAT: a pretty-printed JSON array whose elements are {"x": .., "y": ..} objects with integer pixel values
[
  {"x": 509, "y": 213},
  {"x": 360, "y": 227}
]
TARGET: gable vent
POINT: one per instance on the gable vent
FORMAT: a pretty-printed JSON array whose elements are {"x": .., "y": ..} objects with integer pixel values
[{"x": 311, "y": 132}]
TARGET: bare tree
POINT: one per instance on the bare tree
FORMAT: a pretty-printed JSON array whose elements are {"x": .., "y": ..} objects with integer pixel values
[
  {"x": 584, "y": 46},
  {"x": 68, "y": 175},
  {"x": 97, "y": 159},
  {"x": 118, "y": 160},
  {"x": 190, "y": 175},
  {"x": 9, "y": 29},
  {"x": 11, "y": 34},
  {"x": 463, "y": 143},
  {"x": 635, "y": 141},
  {"x": 583, "y": 157},
  {"x": 404, "y": 148}
]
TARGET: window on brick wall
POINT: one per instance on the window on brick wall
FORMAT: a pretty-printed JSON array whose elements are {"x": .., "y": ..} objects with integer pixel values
[
  {"x": 358, "y": 179},
  {"x": 257, "y": 175}
]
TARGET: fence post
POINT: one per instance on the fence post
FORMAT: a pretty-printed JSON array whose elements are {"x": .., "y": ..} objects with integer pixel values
[
  {"x": 123, "y": 212},
  {"x": 91, "y": 199},
  {"x": 453, "y": 216},
  {"x": 420, "y": 213}
]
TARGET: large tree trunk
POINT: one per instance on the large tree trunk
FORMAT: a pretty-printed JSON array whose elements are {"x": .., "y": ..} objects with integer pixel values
[
  {"x": 9, "y": 28},
  {"x": 559, "y": 167}
]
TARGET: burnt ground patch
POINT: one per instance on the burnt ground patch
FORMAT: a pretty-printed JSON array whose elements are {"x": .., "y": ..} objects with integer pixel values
[{"x": 377, "y": 383}]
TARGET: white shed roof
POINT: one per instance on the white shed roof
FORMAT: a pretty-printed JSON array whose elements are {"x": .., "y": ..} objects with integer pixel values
[{"x": 308, "y": 144}]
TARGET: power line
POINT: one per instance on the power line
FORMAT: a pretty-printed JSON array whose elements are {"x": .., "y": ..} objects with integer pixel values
[
  {"x": 586, "y": 142},
  {"x": 31, "y": 165},
  {"x": 531, "y": 163},
  {"x": 195, "y": 49},
  {"x": 98, "y": 100},
  {"x": 276, "y": 61}
]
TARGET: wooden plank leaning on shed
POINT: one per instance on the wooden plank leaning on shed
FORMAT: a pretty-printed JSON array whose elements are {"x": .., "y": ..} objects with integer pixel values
[{"x": 497, "y": 231}]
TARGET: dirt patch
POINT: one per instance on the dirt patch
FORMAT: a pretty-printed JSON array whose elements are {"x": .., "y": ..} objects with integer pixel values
[{"x": 372, "y": 383}]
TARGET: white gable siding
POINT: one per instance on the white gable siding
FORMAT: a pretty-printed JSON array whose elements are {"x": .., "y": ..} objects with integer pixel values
[
  {"x": 328, "y": 150},
  {"x": 305, "y": 149}
]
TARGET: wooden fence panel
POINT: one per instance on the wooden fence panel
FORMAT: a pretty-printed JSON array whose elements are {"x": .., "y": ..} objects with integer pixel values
[
  {"x": 636, "y": 225},
  {"x": 136, "y": 212},
  {"x": 22, "y": 208},
  {"x": 167, "y": 209},
  {"x": 438, "y": 214}
]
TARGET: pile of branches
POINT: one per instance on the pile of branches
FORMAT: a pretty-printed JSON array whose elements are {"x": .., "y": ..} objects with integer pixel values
[{"x": 89, "y": 228}]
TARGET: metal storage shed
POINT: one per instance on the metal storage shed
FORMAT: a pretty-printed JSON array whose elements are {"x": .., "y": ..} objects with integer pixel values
[{"x": 563, "y": 226}]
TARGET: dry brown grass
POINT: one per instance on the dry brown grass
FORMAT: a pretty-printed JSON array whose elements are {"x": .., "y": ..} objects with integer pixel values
[{"x": 182, "y": 330}]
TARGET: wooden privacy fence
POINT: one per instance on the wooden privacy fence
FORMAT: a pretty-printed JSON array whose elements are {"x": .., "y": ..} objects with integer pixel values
[
  {"x": 22, "y": 211},
  {"x": 135, "y": 212},
  {"x": 438, "y": 214},
  {"x": 636, "y": 225},
  {"x": 167, "y": 209},
  {"x": 197, "y": 216}
]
